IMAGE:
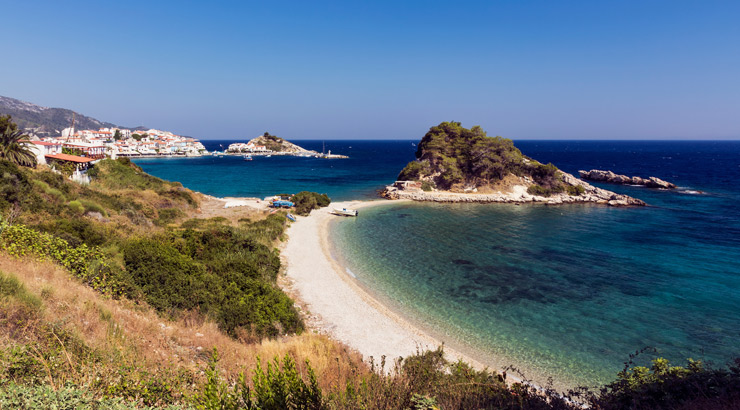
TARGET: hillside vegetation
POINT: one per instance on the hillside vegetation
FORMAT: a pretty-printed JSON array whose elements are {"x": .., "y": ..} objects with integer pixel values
[
  {"x": 127, "y": 234},
  {"x": 450, "y": 157},
  {"x": 121, "y": 295}
]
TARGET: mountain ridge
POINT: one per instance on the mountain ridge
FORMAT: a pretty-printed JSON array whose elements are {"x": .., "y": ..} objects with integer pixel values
[{"x": 47, "y": 121}]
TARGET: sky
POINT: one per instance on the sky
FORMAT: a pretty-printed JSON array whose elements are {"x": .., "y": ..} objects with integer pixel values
[{"x": 383, "y": 69}]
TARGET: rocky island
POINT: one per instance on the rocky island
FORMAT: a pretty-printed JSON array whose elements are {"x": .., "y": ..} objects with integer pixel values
[
  {"x": 268, "y": 144},
  {"x": 612, "y": 178},
  {"x": 456, "y": 164}
]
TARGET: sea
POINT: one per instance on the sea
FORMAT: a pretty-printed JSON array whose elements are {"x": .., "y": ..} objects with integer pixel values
[{"x": 568, "y": 293}]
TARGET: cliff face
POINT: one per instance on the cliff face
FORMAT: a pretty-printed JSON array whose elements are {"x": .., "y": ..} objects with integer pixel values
[{"x": 465, "y": 165}]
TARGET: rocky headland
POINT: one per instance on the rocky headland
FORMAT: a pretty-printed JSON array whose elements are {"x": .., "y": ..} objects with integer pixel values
[
  {"x": 455, "y": 164},
  {"x": 268, "y": 144},
  {"x": 612, "y": 178}
]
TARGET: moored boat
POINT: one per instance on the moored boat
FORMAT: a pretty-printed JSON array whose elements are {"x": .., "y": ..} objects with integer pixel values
[{"x": 345, "y": 212}]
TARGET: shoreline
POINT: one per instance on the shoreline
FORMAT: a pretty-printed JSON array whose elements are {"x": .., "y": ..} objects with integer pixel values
[
  {"x": 335, "y": 304},
  {"x": 516, "y": 194}
]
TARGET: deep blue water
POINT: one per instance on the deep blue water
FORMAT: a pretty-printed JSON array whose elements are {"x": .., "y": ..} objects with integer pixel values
[
  {"x": 564, "y": 291},
  {"x": 370, "y": 166}
]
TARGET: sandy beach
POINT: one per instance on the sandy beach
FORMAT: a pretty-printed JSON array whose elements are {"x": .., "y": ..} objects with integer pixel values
[{"x": 337, "y": 305}]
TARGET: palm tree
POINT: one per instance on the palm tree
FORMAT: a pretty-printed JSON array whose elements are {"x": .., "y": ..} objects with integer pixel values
[{"x": 16, "y": 148}]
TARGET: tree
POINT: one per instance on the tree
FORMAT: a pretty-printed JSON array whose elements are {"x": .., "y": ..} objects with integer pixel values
[
  {"x": 14, "y": 145},
  {"x": 117, "y": 135},
  {"x": 6, "y": 122}
]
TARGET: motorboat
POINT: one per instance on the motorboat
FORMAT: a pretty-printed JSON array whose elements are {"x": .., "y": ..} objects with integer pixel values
[{"x": 345, "y": 212}]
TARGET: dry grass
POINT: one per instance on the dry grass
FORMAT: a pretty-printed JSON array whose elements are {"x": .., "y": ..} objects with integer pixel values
[{"x": 124, "y": 332}]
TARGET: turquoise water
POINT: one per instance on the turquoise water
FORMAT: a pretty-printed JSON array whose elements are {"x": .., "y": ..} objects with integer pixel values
[
  {"x": 558, "y": 291},
  {"x": 567, "y": 291}
]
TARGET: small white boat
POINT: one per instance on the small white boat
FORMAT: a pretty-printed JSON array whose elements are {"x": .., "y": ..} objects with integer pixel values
[
  {"x": 247, "y": 157},
  {"x": 345, "y": 212}
]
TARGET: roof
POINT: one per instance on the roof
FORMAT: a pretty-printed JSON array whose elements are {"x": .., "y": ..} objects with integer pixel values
[
  {"x": 83, "y": 144},
  {"x": 45, "y": 143},
  {"x": 70, "y": 158}
]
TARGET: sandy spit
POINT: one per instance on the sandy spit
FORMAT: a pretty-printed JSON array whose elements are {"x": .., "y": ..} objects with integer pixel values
[{"x": 337, "y": 305}]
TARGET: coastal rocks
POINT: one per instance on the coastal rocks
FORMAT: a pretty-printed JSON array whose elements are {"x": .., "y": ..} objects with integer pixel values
[
  {"x": 611, "y": 177},
  {"x": 517, "y": 194}
]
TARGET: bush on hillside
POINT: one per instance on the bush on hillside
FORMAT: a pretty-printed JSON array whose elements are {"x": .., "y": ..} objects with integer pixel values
[
  {"x": 663, "y": 386},
  {"x": 17, "y": 190},
  {"x": 277, "y": 387},
  {"x": 76, "y": 231},
  {"x": 223, "y": 272},
  {"x": 169, "y": 280},
  {"x": 86, "y": 263}
]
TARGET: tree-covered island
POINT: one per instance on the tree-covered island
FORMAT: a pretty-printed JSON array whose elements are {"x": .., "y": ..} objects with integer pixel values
[{"x": 456, "y": 164}]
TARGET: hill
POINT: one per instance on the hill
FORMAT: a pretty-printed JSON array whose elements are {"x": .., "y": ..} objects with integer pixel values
[
  {"x": 457, "y": 164},
  {"x": 277, "y": 144},
  {"x": 48, "y": 122}
]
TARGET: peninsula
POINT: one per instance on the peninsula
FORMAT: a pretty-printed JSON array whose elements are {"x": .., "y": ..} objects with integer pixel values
[{"x": 456, "y": 164}]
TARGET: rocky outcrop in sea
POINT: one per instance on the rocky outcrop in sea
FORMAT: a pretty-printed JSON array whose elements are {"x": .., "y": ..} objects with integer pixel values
[{"x": 611, "y": 177}]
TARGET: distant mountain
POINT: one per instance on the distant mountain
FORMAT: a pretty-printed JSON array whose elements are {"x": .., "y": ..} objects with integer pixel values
[{"x": 48, "y": 122}]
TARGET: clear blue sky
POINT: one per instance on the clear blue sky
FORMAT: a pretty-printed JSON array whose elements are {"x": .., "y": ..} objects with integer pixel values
[{"x": 383, "y": 69}]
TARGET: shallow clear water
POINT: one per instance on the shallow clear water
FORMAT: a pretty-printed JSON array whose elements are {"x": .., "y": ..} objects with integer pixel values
[{"x": 567, "y": 291}]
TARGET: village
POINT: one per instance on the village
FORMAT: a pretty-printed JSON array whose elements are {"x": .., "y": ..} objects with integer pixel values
[{"x": 77, "y": 150}]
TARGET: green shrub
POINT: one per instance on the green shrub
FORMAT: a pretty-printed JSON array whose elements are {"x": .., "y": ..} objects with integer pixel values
[
  {"x": 575, "y": 190},
  {"x": 411, "y": 171},
  {"x": 91, "y": 206},
  {"x": 537, "y": 190},
  {"x": 11, "y": 287},
  {"x": 168, "y": 215},
  {"x": 223, "y": 272},
  {"x": 169, "y": 280},
  {"x": 82, "y": 261},
  {"x": 277, "y": 387},
  {"x": 76, "y": 207},
  {"x": 16, "y": 190},
  {"x": 267, "y": 230},
  {"x": 306, "y": 201},
  {"x": 671, "y": 387},
  {"x": 426, "y": 186},
  {"x": 76, "y": 231},
  {"x": 543, "y": 191}
]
